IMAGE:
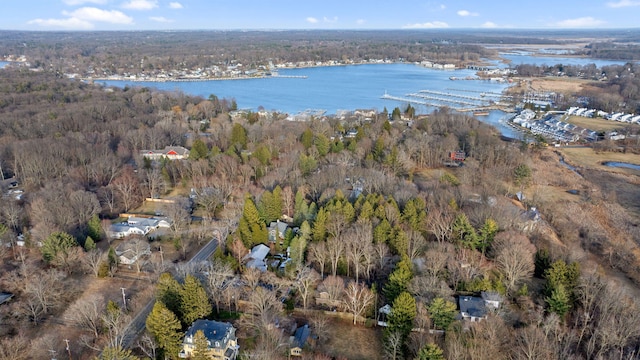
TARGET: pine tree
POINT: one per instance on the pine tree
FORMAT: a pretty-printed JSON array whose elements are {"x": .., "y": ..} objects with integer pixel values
[
  {"x": 486, "y": 234},
  {"x": 307, "y": 139},
  {"x": 322, "y": 144},
  {"x": 168, "y": 292},
  {"x": 239, "y": 136},
  {"x": 165, "y": 327},
  {"x": 115, "y": 353},
  {"x": 464, "y": 233},
  {"x": 559, "y": 301},
  {"x": 89, "y": 244},
  {"x": 94, "y": 228},
  {"x": 299, "y": 243},
  {"x": 251, "y": 228},
  {"x": 403, "y": 312},
  {"x": 57, "y": 243},
  {"x": 198, "y": 150},
  {"x": 442, "y": 313},
  {"x": 194, "y": 302},
  {"x": 200, "y": 347},
  {"x": 320, "y": 225},
  {"x": 430, "y": 352},
  {"x": 399, "y": 279}
]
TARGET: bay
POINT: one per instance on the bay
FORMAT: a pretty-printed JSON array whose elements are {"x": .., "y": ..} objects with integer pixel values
[
  {"x": 335, "y": 88},
  {"x": 3, "y": 64}
]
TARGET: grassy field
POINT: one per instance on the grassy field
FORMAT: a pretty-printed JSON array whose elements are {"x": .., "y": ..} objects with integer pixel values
[
  {"x": 589, "y": 159},
  {"x": 595, "y": 123},
  {"x": 353, "y": 341}
]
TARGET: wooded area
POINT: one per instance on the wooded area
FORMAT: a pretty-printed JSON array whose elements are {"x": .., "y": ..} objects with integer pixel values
[{"x": 378, "y": 220}]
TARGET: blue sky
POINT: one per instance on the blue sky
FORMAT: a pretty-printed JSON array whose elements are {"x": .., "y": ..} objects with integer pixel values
[{"x": 315, "y": 14}]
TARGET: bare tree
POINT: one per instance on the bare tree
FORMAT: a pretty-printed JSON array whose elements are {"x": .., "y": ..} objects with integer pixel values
[
  {"x": 127, "y": 187},
  {"x": 14, "y": 348},
  {"x": 355, "y": 238},
  {"x": 382, "y": 255},
  {"x": 148, "y": 345},
  {"x": 333, "y": 286},
  {"x": 439, "y": 223},
  {"x": 357, "y": 299},
  {"x": 219, "y": 274},
  {"x": 251, "y": 277},
  {"x": 93, "y": 259},
  {"x": 306, "y": 279},
  {"x": 416, "y": 244},
  {"x": 514, "y": 257},
  {"x": 42, "y": 292},
  {"x": 335, "y": 249},
  {"x": 393, "y": 346},
  {"x": 317, "y": 253},
  {"x": 87, "y": 314},
  {"x": 264, "y": 307}
]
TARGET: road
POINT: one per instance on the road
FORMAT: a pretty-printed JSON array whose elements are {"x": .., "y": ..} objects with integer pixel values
[{"x": 138, "y": 323}]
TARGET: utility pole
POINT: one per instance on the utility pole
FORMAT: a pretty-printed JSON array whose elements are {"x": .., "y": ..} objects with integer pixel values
[
  {"x": 161, "y": 254},
  {"x": 68, "y": 348},
  {"x": 124, "y": 300}
]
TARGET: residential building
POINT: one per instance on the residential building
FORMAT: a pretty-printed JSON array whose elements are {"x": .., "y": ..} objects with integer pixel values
[
  {"x": 277, "y": 229},
  {"x": 169, "y": 152},
  {"x": 476, "y": 308},
  {"x": 298, "y": 340},
  {"x": 221, "y": 338},
  {"x": 255, "y": 259}
]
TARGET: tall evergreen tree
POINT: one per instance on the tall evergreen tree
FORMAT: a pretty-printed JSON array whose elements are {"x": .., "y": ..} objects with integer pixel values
[
  {"x": 463, "y": 232},
  {"x": 194, "y": 302},
  {"x": 403, "y": 312},
  {"x": 168, "y": 291},
  {"x": 239, "y": 136},
  {"x": 442, "y": 313},
  {"x": 320, "y": 225},
  {"x": 200, "y": 347},
  {"x": 399, "y": 279},
  {"x": 251, "y": 227},
  {"x": 430, "y": 352},
  {"x": 165, "y": 327},
  {"x": 57, "y": 243},
  {"x": 94, "y": 228},
  {"x": 307, "y": 139}
]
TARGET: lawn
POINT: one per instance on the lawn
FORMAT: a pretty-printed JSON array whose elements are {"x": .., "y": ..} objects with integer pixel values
[
  {"x": 596, "y": 124},
  {"x": 584, "y": 157}
]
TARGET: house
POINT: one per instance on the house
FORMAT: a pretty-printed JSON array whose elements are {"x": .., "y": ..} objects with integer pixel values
[
  {"x": 298, "y": 340},
  {"x": 136, "y": 226},
  {"x": 472, "y": 308},
  {"x": 277, "y": 229},
  {"x": 129, "y": 252},
  {"x": 255, "y": 259},
  {"x": 221, "y": 338},
  {"x": 169, "y": 152},
  {"x": 476, "y": 308}
]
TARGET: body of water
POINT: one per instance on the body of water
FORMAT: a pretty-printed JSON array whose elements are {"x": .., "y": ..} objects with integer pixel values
[
  {"x": 529, "y": 58},
  {"x": 3, "y": 64},
  {"x": 621, "y": 165},
  {"x": 335, "y": 88}
]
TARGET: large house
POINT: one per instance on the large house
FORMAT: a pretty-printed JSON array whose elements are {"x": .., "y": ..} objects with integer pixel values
[
  {"x": 169, "y": 152},
  {"x": 136, "y": 226},
  {"x": 277, "y": 230},
  {"x": 255, "y": 259},
  {"x": 476, "y": 308},
  {"x": 221, "y": 337},
  {"x": 298, "y": 340}
]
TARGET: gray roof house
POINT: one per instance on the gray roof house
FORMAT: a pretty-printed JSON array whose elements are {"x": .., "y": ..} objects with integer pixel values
[
  {"x": 277, "y": 229},
  {"x": 221, "y": 338},
  {"x": 255, "y": 259},
  {"x": 299, "y": 339},
  {"x": 476, "y": 308},
  {"x": 169, "y": 152}
]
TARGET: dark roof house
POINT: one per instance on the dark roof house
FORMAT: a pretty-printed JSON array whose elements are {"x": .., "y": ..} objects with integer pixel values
[{"x": 221, "y": 336}]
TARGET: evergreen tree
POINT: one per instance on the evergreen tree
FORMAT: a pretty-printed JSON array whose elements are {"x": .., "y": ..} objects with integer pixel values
[
  {"x": 301, "y": 208},
  {"x": 94, "y": 228},
  {"x": 306, "y": 139},
  {"x": 57, "y": 243},
  {"x": 115, "y": 353},
  {"x": 559, "y": 301},
  {"x": 168, "y": 291},
  {"x": 382, "y": 232},
  {"x": 399, "y": 279},
  {"x": 430, "y": 352},
  {"x": 322, "y": 144},
  {"x": 200, "y": 347},
  {"x": 414, "y": 214},
  {"x": 464, "y": 233},
  {"x": 165, "y": 327},
  {"x": 251, "y": 228},
  {"x": 320, "y": 225},
  {"x": 299, "y": 243},
  {"x": 307, "y": 164},
  {"x": 89, "y": 244},
  {"x": 399, "y": 241},
  {"x": 486, "y": 234},
  {"x": 239, "y": 136},
  {"x": 366, "y": 211},
  {"x": 403, "y": 312},
  {"x": 194, "y": 302},
  {"x": 198, "y": 150},
  {"x": 378, "y": 149},
  {"x": 396, "y": 114},
  {"x": 442, "y": 313}
]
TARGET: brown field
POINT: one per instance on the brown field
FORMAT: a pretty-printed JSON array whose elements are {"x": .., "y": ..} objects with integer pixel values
[
  {"x": 588, "y": 159},
  {"x": 353, "y": 341},
  {"x": 595, "y": 123}
]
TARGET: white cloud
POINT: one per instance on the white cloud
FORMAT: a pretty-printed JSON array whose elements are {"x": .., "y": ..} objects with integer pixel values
[
  {"x": 428, "y": 25},
  {"x": 332, "y": 20},
  {"x": 95, "y": 14},
  {"x": 582, "y": 22},
  {"x": 623, "y": 3},
  {"x": 175, "y": 5},
  {"x": 466, "y": 13},
  {"x": 312, "y": 20},
  {"x": 69, "y": 23},
  {"x": 489, "y": 25},
  {"x": 160, "y": 19},
  {"x": 361, "y": 21},
  {"x": 443, "y": 6},
  {"x": 140, "y": 4},
  {"x": 80, "y": 2}
]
